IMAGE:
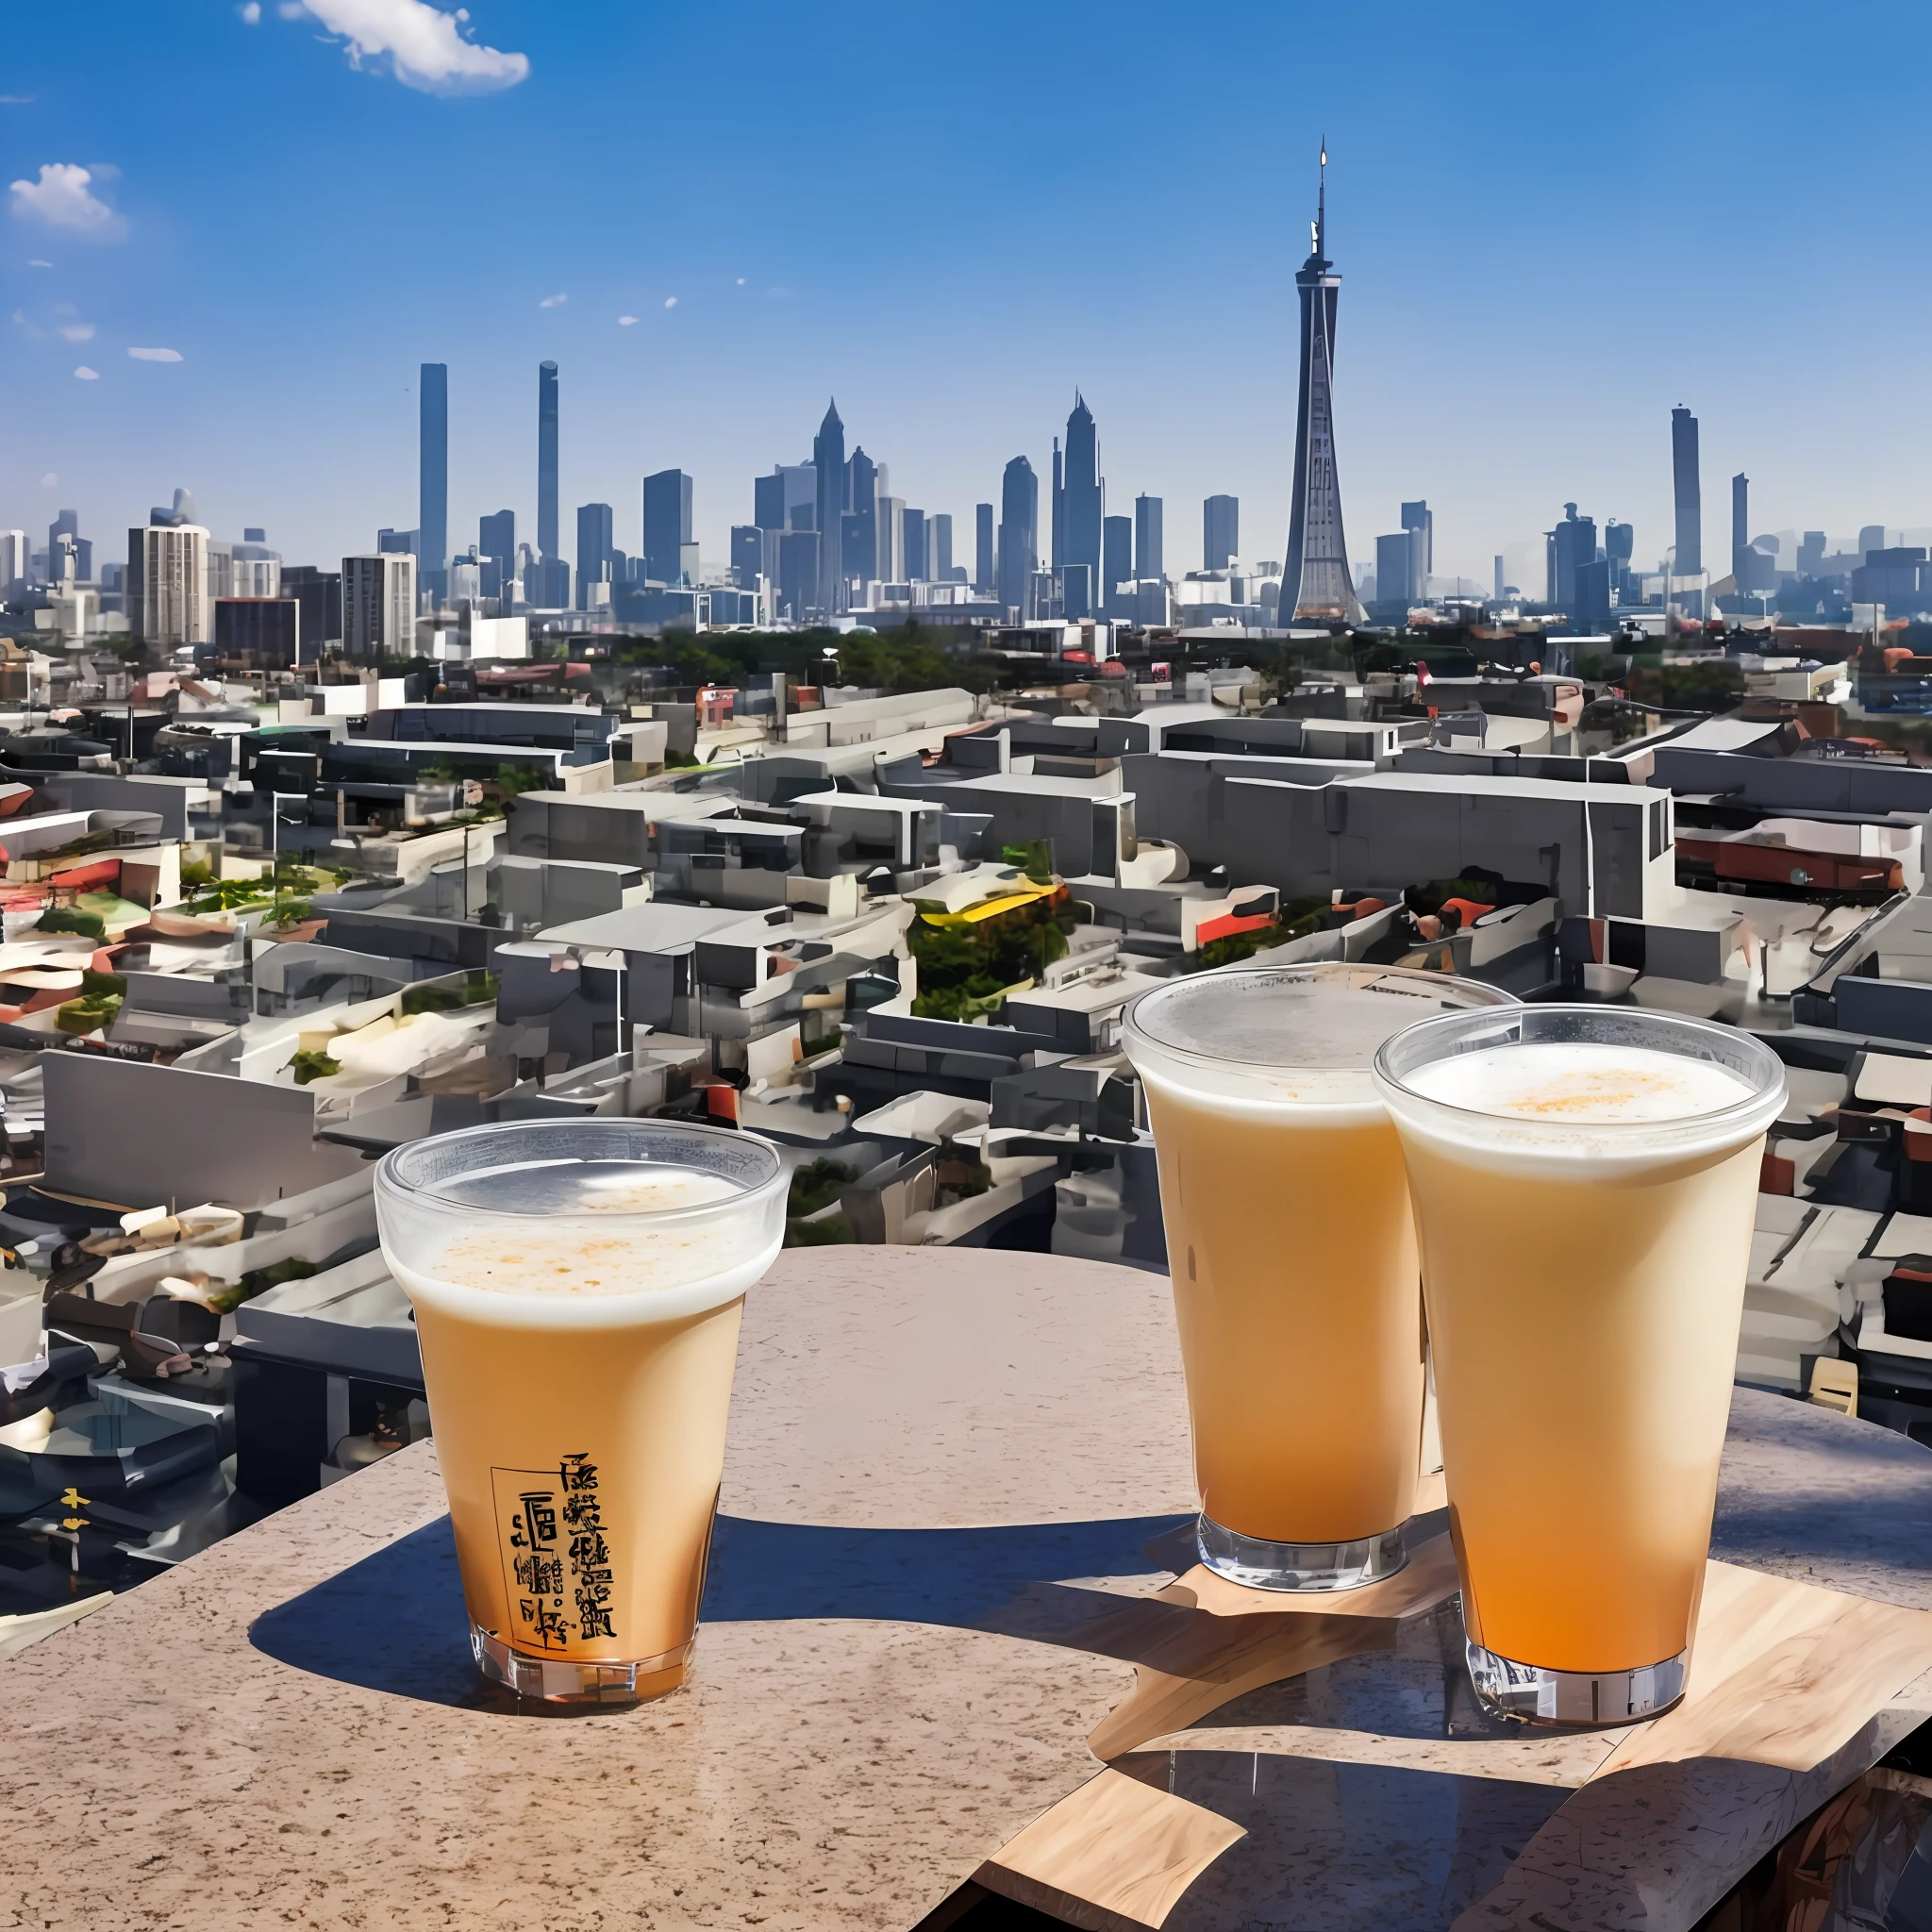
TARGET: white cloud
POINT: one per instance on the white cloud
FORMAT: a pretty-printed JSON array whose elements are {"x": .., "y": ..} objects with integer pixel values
[
  {"x": 250, "y": 14},
  {"x": 16, "y": 100},
  {"x": 671, "y": 301},
  {"x": 427, "y": 48},
  {"x": 156, "y": 355},
  {"x": 27, "y": 327},
  {"x": 741, "y": 281},
  {"x": 87, "y": 374},
  {"x": 60, "y": 198},
  {"x": 553, "y": 302},
  {"x": 36, "y": 263},
  {"x": 77, "y": 331},
  {"x": 292, "y": 9},
  {"x": 627, "y": 321},
  {"x": 50, "y": 481}
]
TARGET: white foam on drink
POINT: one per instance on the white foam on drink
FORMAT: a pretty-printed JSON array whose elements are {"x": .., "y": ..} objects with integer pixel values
[
  {"x": 542, "y": 1239},
  {"x": 1275, "y": 1039},
  {"x": 1546, "y": 1097}
]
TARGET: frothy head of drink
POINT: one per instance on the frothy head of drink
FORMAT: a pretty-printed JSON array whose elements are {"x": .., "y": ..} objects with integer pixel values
[
  {"x": 614, "y": 1220},
  {"x": 1290, "y": 1036},
  {"x": 1592, "y": 1086}
]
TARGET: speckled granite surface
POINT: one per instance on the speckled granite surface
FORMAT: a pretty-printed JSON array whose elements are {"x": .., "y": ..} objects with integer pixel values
[{"x": 946, "y": 1470}]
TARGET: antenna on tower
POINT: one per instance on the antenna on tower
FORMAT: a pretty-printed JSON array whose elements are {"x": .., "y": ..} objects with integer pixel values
[{"x": 1321, "y": 200}]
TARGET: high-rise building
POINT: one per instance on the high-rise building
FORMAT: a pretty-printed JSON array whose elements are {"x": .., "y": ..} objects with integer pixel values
[
  {"x": 70, "y": 556},
  {"x": 1396, "y": 569},
  {"x": 1315, "y": 582},
  {"x": 861, "y": 539},
  {"x": 1019, "y": 546},
  {"x": 938, "y": 547},
  {"x": 253, "y": 569},
  {"x": 1566, "y": 550},
  {"x": 1810, "y": 553},
  {"x": 1085, "y": 502},
  {"x": 667, "y": 525},
  {"x": 496, "y": 551},
  {"x": 379, "y": 607},
  {"x": 595, "y": 536},
  {"x": 13, "y": 558},
  {"x": 546, "y": 461},
  {"x": 1499, "y": 591},
  {"x": 1740, "y": 530},
  {"x": 798, "y": 572},
  {"x": 918, "y": 568},
  {"x": 1687, "y": 495},
  {"x": 747, "y": 555},
  {"x": 1057, "y": 554},
  {"x": 768, "y": 501},
  {"x": 891, "y": 539},
  {"x": 1620, "y": 545},
  {"x": 828, "y": 460},
  {"x": 319, "y": 594},
  {"x": 983, "y": 551},
  {"x": 1149, "y": 564},
  {"x": 432, "y": 511},
  {"x": 1076, "y": 590},
  {"x": 1117, "y": 567},
  {"x": 167, "y": 585},
  {"x": 1221, "y": 532},
  {"x": 260, "y": 631},
  {"x": 1420, "y": 521},
  {"x": 1871, "y": 538}
]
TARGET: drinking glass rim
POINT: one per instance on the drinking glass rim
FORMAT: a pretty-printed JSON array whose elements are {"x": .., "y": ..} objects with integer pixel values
[
  {"x": 392, "y": 1179},
  {"x": 1491, "y": 999},
  {"x": 1753, "y": 1102}
]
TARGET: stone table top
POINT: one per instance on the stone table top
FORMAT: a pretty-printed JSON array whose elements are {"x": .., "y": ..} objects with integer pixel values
[{"x": 955, "y": 1479}]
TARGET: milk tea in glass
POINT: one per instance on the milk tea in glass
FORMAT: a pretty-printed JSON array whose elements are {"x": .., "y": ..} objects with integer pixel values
[
  {"x": 1291, "y": 1250},
  {"x": 577, "y": 1287},
  {"x": 1585, "y": 1182}
]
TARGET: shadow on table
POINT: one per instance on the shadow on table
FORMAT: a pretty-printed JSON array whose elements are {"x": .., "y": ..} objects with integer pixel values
[{"x": 395, "y": 1622}]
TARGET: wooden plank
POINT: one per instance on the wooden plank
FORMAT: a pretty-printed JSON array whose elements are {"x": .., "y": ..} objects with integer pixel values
[
  {"x": 1115, "y": 1852},
  {"x": 1208, "y": 1660},
  {"x": 1782, "y": 1674},
  {"x": 1421, "y": 1584}
]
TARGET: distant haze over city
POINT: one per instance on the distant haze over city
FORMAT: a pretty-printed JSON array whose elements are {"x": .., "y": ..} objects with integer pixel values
[{"x": 234, "y": 233}]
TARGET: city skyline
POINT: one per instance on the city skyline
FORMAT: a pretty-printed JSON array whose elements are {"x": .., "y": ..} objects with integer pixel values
[{"x": 1485, "y": 384}]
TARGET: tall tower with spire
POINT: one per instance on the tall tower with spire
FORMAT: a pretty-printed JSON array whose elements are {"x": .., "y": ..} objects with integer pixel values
[
  {"x": 829, "y": 456},
  {"x": 1083, "y": 510},
  {"x": 1315, "y": 580}
]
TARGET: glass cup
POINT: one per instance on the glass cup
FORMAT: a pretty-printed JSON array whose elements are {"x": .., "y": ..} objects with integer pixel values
[
  {"x": 1291, "y": 1250},
  {"x": 577, "y": 1287},
  {"x": 1585, "y": 1180}
]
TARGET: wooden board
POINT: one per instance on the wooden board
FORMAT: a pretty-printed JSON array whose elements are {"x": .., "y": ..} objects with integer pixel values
[{"x": 1116, "y": 1852}]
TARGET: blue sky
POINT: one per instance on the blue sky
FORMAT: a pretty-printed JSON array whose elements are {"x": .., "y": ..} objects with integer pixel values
[{"x": 1551, "y": 228}]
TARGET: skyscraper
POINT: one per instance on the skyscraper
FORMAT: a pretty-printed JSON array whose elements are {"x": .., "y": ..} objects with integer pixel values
[
  {"x": 1315, "y": 582},
  {"x": 595, "y": 539},
  {"x": 667, "y": 525},
  {"x": 1420, "y": 521},
  {"x": 1084, "y": 504},
  {"x": 546, "y": 461},
  {"x": 828, "y": 459},
  {"x": 1740, "y": 530},
  {"x": 497, "y": 546},
  {"x": 1058, "y": 553},
  {"x": 938, "y": 547},
  {"x": 889, "y": 522},
  {"x": 1567, "y": 549},
  {"x": 167, "y": 584},
  {"x": 1117, "y": 567},
  {"x": 1148, "y": 566},
  {"x": 983, "y": 552},
  {"x": 912, "y": 523},
  {"x": 1689, "y": 501},
  {"x": 862, "y": 562},
  {"x": 1619, "y": 546},
  {"x": 379, "y": 606},
  {"x": 432, "y": 502},
  {"x": 1221, "y": 531},
  {"x": 1499, "y": 580},
  {"x": 1810, "y": 553},
  {"x": 768, "y": 501},
  {"x": 1019, "y": 533}
]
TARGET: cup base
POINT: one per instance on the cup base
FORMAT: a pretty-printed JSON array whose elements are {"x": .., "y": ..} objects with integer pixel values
[
  {"x": 1580, "y": 1699},
  {"x": 1258, "y": 1565},
  {"x": 557, "y": 1681}
]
